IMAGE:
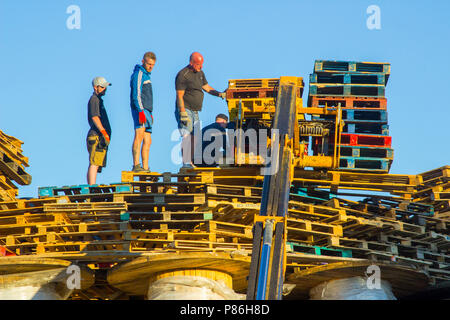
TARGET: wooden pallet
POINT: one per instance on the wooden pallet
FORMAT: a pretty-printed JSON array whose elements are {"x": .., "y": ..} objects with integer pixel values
[
  {"x": 13, "y": 148},
  {"x": 227, "y": 230},
  {"x": 348, "y": 78},
  {"x": 442, "y": 241},
  {"x": 440, "y": 196},
  {"x": 252, "y": 93},
  {"x": 402, "y": 228},
  {"x": 355, "y": 180},
  {"x": 316, "y": 250},
  {"x": 430, "y": 178},
  {"x": 357, "y": 115},
  {"x": 309, "y": 232},
  {"x": 364, "y": 228},
  {"x": 74, "y": 247},
  {"x": 405, "y": 243},
  {"x": 364, "y": 164},
  {"x": 130, "y": 176},
  {"x": 442, "y": 209},
  {"x": 360, "y": 103},
  {"x": 346, "y": 90},
  {"x": 366, "y": 128},
  {"x": 365, "y": 140},
  {"x": 84, "y": 189},
  {"x": 13, "y": 170},
  {"x": 165, "y": 216},
  {"x": 366, "y": 152},
  {"x": 359, "y": 248},
  {"x": 245, "y": 84},
  {"x": 86, "y": 207},
  {"x": 351, "y": 66}
]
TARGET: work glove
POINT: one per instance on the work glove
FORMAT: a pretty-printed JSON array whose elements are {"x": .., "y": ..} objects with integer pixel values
[
  {"x": 184, "y": 117},
  {"x": 104, "y": 139},
  {"x": 142, "y": 117},
  {"x": 223, "y": 95}
]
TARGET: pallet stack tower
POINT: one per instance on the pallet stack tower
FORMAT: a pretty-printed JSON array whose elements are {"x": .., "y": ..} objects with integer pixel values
[
  {"x": 12, "y": 167},
  {"x": 359, "y": 88}
]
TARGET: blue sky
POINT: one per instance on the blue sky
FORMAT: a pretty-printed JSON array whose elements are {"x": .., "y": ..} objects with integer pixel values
[{"x": 46, "y": 70}]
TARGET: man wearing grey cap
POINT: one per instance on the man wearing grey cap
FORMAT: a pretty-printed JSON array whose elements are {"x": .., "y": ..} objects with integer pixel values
[{"x": 99, "y": 134}]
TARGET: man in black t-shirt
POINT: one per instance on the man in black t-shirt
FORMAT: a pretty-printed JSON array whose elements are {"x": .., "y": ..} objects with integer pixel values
[
  {"x": 99, "y": 134},
  {"x": 189, "y": 84}
]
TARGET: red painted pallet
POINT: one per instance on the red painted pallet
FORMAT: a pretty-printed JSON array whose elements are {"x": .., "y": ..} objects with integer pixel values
[
  {"x": 362, "y": 103},
  {"x": 365, "y": 140}
]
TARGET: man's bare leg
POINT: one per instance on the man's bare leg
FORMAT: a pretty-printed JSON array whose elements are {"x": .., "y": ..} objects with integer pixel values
[
  {"x": 92, "y": 174},
  {"x": 136, "y": 148},
  {"x": 146, "y": 149}
]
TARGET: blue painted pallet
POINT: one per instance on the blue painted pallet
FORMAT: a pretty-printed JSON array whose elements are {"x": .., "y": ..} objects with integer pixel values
[
  {"x": 364, "y": 128},
  {"x": 365, "y": 152},
  {"x": 417, "y": 208},
  {"x": 364, "y": 164},
  {"x": 349, "y": 78},
  {"x": 351, "y": 66},
  {"x": 367, "y": 128},
  {"x": 313, "y": 194},
  {"x": 83, "y": 189},
  {"x": 356, "y": 115},
  {"x": 346, "y": 90},
  {"x": 320, "y": 251}
]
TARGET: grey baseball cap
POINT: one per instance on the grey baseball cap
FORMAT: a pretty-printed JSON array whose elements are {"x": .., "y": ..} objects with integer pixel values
[{"x": 100, "y": 81}]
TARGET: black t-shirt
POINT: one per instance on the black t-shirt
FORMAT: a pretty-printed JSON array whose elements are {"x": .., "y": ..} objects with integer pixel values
[
  {"x": 191, "y": 82},
  {"x": 217, "y": 135},
  {"x": 96, "y": 108}
]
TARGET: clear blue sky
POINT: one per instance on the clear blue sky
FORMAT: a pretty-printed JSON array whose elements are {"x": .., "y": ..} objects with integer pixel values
[{"x": 46, "y": 70}]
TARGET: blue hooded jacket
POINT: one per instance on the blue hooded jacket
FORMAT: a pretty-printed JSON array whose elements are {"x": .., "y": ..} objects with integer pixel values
[{"x": 141, "y": 96}]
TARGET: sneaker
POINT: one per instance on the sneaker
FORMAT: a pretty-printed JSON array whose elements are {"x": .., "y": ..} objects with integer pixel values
[{"x": 138, "y": 168}]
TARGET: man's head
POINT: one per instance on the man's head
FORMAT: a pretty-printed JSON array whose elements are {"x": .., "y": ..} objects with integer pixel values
[
  {"x": 222, "y": 120},
  {"x": 100, "y": 84},
  {"x": 148, "y": 62},
  {"x": 196, "y": 61}
]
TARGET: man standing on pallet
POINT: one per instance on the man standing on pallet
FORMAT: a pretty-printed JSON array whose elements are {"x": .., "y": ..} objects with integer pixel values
[
  {"x": 99, "y": 134},
  {"x": 141, "y": 98},
  {"x": 189, "y": 84}
]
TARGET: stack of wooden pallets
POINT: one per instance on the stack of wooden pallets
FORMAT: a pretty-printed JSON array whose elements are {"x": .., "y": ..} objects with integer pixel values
[
  {"x": 256, "y": 98},
  {"x": 251, "y": 106},
  {"x": 213, "y": 211},
  {"x": 12, "y": 167},
  {"x": 359, "y": 88},
  {"x": 433, "y": 189}
]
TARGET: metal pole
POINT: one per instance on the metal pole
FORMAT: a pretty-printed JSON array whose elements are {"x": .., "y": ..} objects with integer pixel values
[{"x": 265, "y": 259}]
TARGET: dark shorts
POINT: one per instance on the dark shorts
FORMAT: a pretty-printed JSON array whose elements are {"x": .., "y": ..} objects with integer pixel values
[
  {"x": 187, "y": 128},
  {"x": 148, "y": 122},
  {"x": 97, "y": 155}
]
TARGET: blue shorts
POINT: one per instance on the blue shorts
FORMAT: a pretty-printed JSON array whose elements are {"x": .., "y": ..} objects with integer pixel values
[
  {"x": 148, "y": 121},
  {"x": 187, "y": 128}
]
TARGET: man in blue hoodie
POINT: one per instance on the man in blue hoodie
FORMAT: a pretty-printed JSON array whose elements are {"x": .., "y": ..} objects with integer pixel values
[{"x": 141, "y": 98}]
